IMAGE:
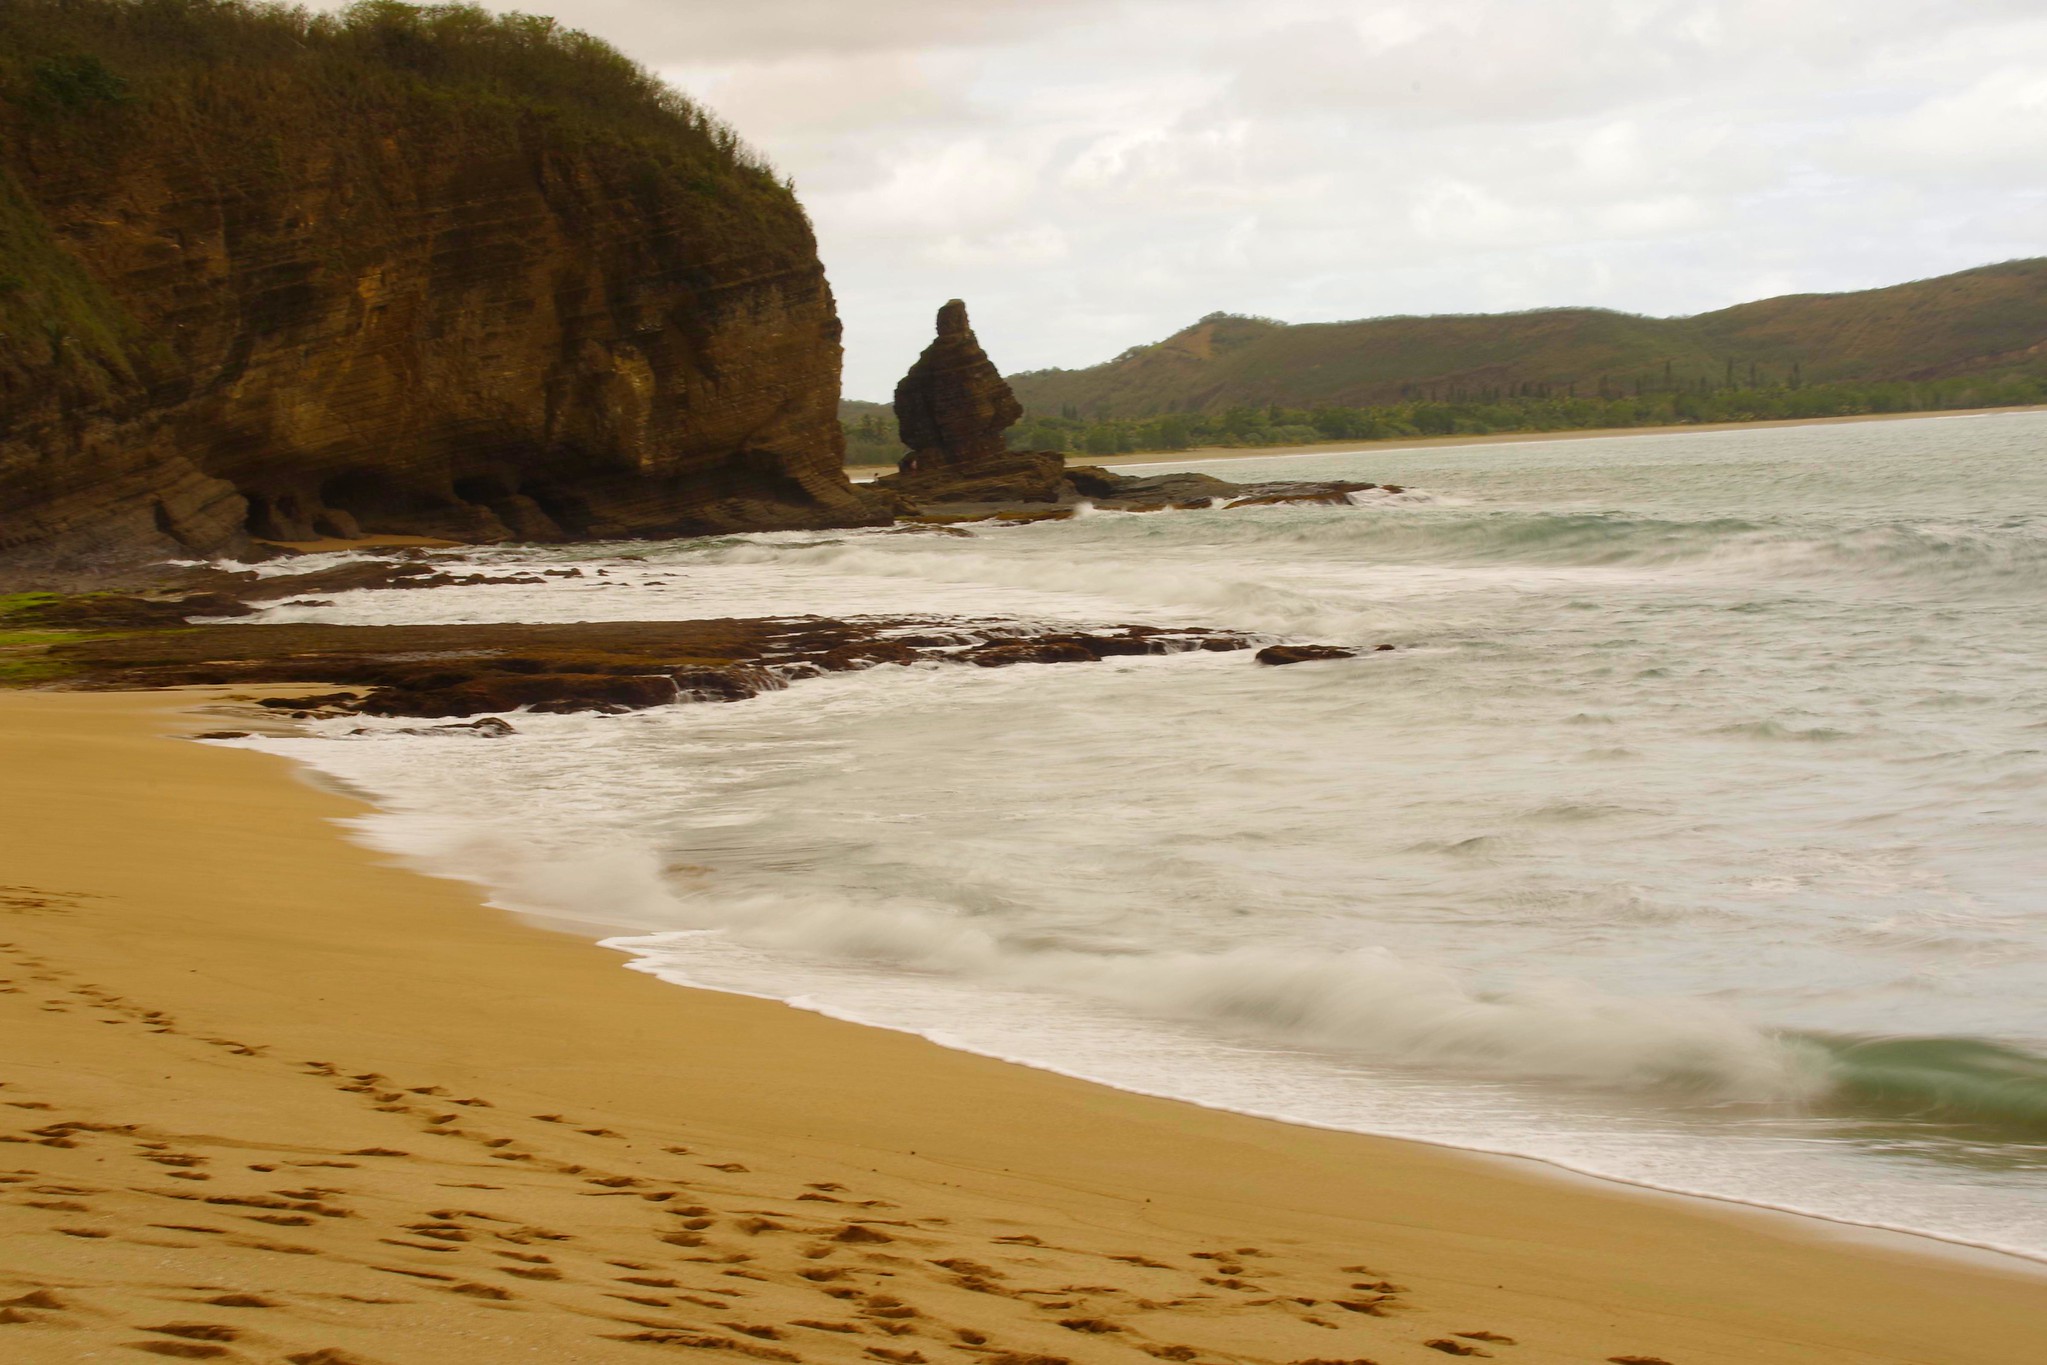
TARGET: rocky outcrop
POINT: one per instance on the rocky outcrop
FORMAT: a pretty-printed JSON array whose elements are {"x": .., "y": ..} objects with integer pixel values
[
  {"x": 951, "y": 411},
  {"x": 953, "y": 405},
  {"x": 1188, "y": 489},
  {"x": 1036, "y": 476},
  {"x": 611, "y": 666},
  {"x": 1019, "y": 487},
  {"x": 325, "y": 294},
  {"x": 1278, "y": 656}
]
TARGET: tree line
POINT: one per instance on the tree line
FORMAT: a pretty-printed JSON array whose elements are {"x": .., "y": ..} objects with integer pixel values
[{"x": 1537, "y": 408}]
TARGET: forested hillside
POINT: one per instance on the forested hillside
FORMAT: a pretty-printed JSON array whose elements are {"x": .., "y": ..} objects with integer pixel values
[{"x": 1977, "y": 338}]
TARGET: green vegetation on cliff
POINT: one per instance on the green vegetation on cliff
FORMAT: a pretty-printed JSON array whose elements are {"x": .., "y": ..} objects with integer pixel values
[
  {"x": 81, "y": 80},
  {"x": 67, "y": 63},
  {"x": 398, "y": 269},
  {"x": 1978, "y": 338}
]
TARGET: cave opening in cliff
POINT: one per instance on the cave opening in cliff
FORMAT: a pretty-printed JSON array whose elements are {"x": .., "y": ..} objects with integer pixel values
[
  {"x": 487, "y": 489},
  {"x": 376, "y": 501},
  {"x": 275, "y": 516}
]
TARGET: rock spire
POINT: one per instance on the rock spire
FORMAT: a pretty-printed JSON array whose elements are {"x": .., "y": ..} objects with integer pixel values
[{"x": 953, "y": 405}]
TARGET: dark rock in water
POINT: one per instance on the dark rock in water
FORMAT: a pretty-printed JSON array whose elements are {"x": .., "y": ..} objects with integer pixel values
[
  {"x": 1053, "y": 651},
  {"x": 1302, "y": 654},
  {"x": 725, "y": 684},
  {"x": 1031, "y": 476},
  {"x": 448, "y": 693},
  {"x": 603, "y": 666},
  {"x": 951, "y": 410},
  {"x": 309, "y": 703},
  {"x": 1186, "y": 489},
  {"x": 953, "y": 405},
  {"x": 1335, "y": 493},
  {"x": 488, "y": 727},
  {"x": 868, "y": 654},
  {"x": 1092, "y": 481},
  {"x": 929, "y": 528},
  {"x": 1183, "y": 487},
  {"x": 222, "y": 734}
]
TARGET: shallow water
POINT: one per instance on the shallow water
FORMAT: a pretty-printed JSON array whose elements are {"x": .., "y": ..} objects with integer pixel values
[{"x": 1693, "y": 835}]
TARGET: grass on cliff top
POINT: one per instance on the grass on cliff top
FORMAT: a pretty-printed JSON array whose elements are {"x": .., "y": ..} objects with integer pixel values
[
  {"x": 86, "y": 82},
  {"x": 90, "y": 87},
  {"x": 65, "y": 61}
]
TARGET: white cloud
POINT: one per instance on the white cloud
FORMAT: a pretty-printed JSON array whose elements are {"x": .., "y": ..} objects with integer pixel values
[{"x": 1093, "y": 173}]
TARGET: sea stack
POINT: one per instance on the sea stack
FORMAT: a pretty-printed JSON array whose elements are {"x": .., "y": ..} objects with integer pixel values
[
  {"x": 953, "y": 405},
  {"x": 951, "y": 411}
]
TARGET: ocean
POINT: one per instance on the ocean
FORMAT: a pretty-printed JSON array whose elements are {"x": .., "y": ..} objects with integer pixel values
[{"x": 1693, "y": 834}]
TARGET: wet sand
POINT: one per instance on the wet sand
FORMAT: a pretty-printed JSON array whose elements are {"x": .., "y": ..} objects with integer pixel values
[{"x": 266, "y": 1098}]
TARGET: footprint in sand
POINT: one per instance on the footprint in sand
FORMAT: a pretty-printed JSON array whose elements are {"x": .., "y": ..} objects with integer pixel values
[
  {"x": 186, "y": 1350},
  {"x": 196, "y": 1331}
]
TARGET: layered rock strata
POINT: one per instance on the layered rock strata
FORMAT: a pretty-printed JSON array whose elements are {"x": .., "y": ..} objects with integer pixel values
[
  {"x": 953, "y": 405},
  {"x": 952, "y": 409},
  {"x": 247, "y": 301}
]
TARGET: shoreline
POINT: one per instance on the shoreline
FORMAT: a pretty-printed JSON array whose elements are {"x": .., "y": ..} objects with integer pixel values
[
  {"x": 1879, "y": 1236},
  {"x": 1209, "y": 453},
  {"x": 237, "y": 932}
]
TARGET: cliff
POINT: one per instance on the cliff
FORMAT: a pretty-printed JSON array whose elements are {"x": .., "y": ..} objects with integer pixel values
[{"x": 401, "y": 271}]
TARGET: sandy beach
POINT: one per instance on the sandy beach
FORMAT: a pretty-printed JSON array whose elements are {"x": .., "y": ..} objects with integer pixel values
[
  {"x": 267, "y": 1098},
  {"x": 1502, "y": 438}
]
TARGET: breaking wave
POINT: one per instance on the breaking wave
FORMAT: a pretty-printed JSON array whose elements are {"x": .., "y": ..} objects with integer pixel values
[{"x": 1964, "y": 1081}]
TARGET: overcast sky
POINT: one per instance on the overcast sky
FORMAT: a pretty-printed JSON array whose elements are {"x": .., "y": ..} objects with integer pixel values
[{"x": 1092, "y": 174}]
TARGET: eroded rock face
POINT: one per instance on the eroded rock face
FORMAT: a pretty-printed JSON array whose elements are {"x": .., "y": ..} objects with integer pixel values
[
  {"x": 951, "y": 410},
  {"x": 953, "y": 405},
  {"x": 421, "y": 325}
]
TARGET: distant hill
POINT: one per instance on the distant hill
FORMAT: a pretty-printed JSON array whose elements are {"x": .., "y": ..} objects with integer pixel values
[
  {"x": 870, "y": 432},
  {"x": 1988, "y": 321}
]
